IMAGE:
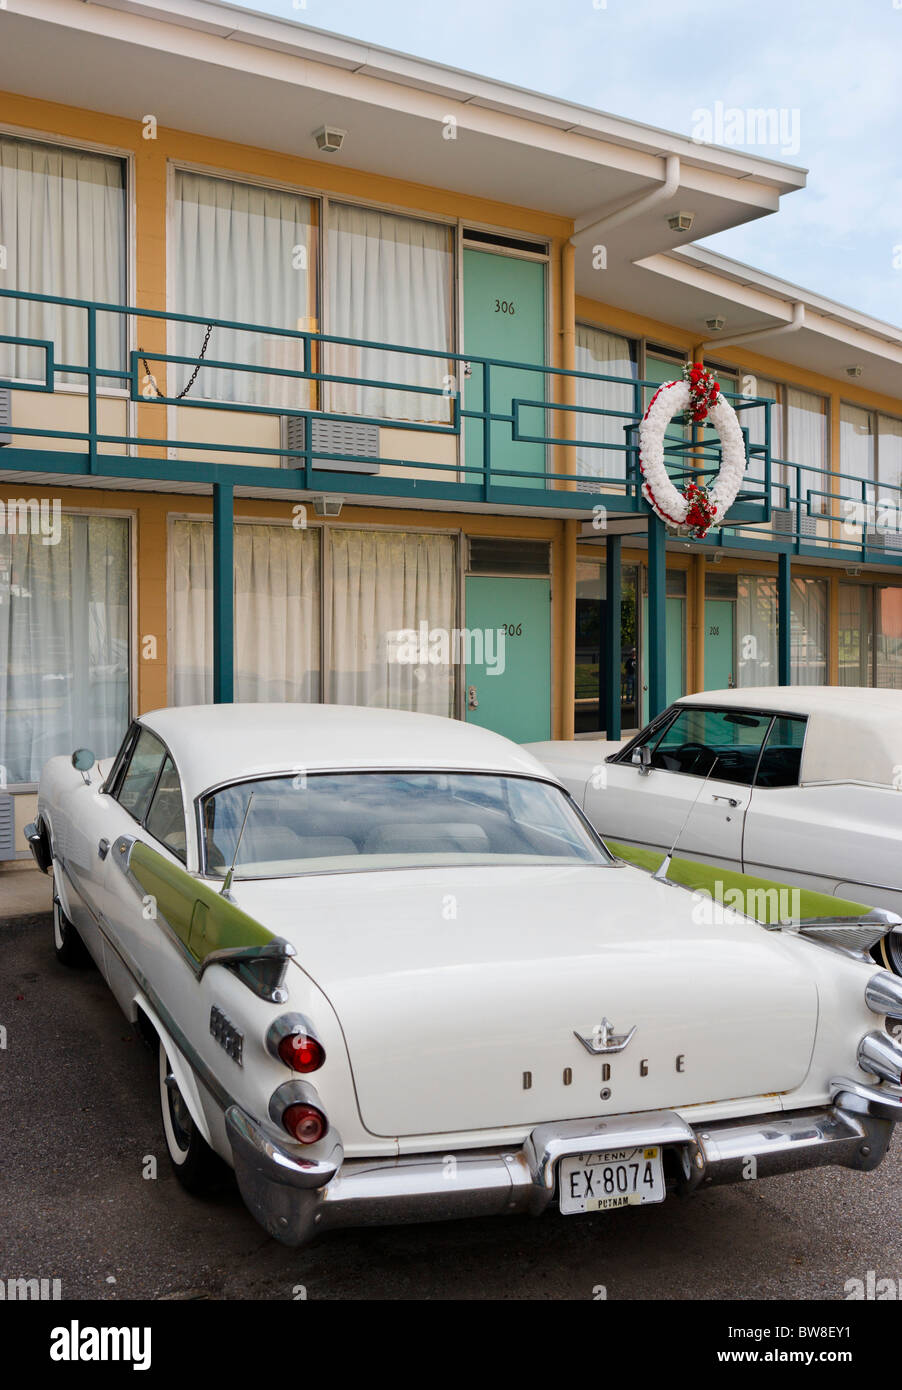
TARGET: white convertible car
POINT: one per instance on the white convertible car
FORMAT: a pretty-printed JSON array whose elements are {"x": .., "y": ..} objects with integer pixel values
[
  {"x": 392, "y": 974},
  {"x": 804, "y": 785}
]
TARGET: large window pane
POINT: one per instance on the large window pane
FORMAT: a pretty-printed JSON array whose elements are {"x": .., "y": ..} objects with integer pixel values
[
  {"x": 888, "y": 638},
  {"x": 856, "y": 627},
  {"x": 756, "y": 629},
  {"x": 390, "y": 280},
  {"x": 385, "y": 584},
  {"x": 62, "y": 222},
  {"x": 856, "y": 456},
  {"x": 608, "y": 355},
  {"x": 755, "y": 422},
  {"x": 245, "y": 253},
  {"x": 277, "y": 613},
  {"x": 889, "y": 458},
  {"x": 806, "y": 444},
  {"x": 64, "y": 650},
  {"x": 809, "y": 631},
  {"x": 590, "y": 593}
]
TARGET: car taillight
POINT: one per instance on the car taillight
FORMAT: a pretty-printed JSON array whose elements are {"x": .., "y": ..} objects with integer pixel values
[
  {"x": 301, "y": 1052},
  {"x": 304, "y": 1123}
]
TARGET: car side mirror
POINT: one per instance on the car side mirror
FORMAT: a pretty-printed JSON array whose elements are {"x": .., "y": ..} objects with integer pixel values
[
  {"x": 644, "y": 760},
  {"x": 83, "y": 760}
]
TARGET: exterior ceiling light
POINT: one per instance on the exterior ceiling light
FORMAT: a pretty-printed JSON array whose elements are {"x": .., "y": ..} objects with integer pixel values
[
  {"x": 853, "y": 371},
  {"x": 328, "y": 506},
  {"x": 329, "y": 138},
  {"x": 681, "y": 221},
  {"x": 716, "y": 325}
]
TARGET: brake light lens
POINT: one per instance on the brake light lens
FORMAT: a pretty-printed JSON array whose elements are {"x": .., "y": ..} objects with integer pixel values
[
  {"x": 301, "y": 1052},
  {"x": 304, "y": 1123}
]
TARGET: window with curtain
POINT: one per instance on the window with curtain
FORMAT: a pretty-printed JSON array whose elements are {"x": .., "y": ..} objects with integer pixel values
[
  {"x": 856, "y": 629},
  {"x": 806, "y": 444},
  {"x": 246, "y": 253},
  {"x": 756, "y": 629},
  {"x": 390, "y": 280},
  {"x": 755, "y": 422},
  {"x": 64, "y": 643},
  {"x": 871, "y": 449},
  {"x": 857, "y": 457},
  {"x": 63, "y": 223},
  {"x": 608, "y": 355},
  {"x": 277, "y": 613},
  {"x": 888, "y": 637},
  {"x": 384, "y": 583},
  {"x": 808, "y": 600}
]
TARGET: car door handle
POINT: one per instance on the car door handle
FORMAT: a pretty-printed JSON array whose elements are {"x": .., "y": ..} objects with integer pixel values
[
  {"x": 103, "y": 848},
  {"x": 717, "y": 797}
]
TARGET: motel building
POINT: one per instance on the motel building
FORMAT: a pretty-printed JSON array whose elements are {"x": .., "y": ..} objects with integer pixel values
[{"x": 321, "y": 369}]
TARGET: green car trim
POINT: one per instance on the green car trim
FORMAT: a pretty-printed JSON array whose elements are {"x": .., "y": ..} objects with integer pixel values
[
  {"x": 200, "y": 918},
  {"x": 721, "y": 884}
]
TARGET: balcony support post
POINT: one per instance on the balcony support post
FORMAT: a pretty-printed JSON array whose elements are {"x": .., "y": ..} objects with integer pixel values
[
  {"x": 784, "y": 618},
  {"x": 656, "y": 645},
  {"x": 223, "y": 593},
  {"x": 609, "y": 664}
]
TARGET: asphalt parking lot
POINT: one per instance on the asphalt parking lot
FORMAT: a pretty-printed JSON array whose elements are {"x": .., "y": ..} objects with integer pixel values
[{"x": 78, "y": 1100}]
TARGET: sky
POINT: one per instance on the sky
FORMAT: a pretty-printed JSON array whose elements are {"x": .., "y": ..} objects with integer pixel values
[{"x": 830, "y": 70}]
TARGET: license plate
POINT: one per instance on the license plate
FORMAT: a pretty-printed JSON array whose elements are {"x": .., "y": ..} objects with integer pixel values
[{"x": 618, "y": 1178}]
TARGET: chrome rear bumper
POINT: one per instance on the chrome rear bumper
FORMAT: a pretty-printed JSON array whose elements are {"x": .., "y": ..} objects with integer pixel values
[{"x": 294, "y": 1199}]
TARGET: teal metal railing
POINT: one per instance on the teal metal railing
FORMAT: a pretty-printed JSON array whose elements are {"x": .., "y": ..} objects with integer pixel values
[{"x": 499, "y": 427}]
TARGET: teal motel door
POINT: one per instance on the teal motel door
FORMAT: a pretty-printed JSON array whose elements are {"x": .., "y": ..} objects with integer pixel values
[
  {"x": 674, "y": 622},
  {"x": 508, "y": 669},
  {"x": 504, "y": 318},
  {"x": 720, "y": 644}
]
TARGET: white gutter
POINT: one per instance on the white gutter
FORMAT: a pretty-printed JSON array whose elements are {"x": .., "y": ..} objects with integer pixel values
[
  {"x": 597, "y": 221},
  {"x": 797, "y": 322}
]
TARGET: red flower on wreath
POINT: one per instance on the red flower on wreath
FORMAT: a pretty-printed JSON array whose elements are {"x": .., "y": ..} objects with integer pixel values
[
  {"x": 703, "y": 391},
  {"x": 701, "y": 511}
]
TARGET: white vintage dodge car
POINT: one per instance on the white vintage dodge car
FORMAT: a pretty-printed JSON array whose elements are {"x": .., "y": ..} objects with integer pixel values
[
  {"x": 393, "y": 974},
  {"x": 804, "y": 785}
]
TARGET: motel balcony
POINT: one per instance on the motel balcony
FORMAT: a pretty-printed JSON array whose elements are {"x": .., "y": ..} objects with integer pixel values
[{"x": 118, "y": 397}]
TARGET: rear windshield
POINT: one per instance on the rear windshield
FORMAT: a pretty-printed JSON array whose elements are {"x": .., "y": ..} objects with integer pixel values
[{"x": 344, "y": 822}]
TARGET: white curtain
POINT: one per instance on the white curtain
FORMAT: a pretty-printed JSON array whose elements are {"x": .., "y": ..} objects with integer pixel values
[
  {"x": 64, "y": 643},
  {"x": 62, "y": 221},
  {"x": 609, "y": 355},
  {"x": 806, "y": 444},
  {"x": 756, "y": 630},
  {"x": 754, "y": 421},
  {"x": 390, "y": 280},
  {"x": 889, "y": 458},
  {"x": 384, "y": 583},
  {"x": 809, "y": 631},
  {"x": 245, "y": 253},
  {"x": 277, "y": 613}
]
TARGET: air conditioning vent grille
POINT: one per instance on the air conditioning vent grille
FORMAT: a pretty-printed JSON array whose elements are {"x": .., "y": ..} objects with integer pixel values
[
  {"x": 360, "y": 441},
  {"x": 489, "y": 555}
]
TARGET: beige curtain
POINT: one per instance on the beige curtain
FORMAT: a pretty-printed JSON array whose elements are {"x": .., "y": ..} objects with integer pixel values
[
  {"x": 384, "y": 583},
  {"x": 277, "y": 613}
]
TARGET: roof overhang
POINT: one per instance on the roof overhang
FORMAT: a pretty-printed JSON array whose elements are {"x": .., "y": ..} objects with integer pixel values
[{"x": 227, "y": 73}]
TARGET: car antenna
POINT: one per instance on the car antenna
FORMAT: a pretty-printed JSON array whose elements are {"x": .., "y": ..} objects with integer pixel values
[
  {"x": 661, "y": 871},
  {"x": 227, "y": 881}
]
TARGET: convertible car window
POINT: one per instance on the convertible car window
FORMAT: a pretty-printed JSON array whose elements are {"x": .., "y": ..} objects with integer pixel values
[
  {"x": 166, "y": 817},
  {"x": 141, "y": 775},
  {"x": 781, "y": 761},
  {"x": 696, "y": 737},
  {"x": 344, "y": 822}
]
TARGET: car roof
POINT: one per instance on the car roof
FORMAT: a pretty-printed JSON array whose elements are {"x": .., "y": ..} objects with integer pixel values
[
  {"x": 212, "y": 744},
  {"x": 854, "y": 733}
]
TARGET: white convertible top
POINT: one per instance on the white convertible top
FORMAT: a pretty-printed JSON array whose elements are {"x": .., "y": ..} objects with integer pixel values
[
  {"x": 854, "y": 733},
  {"x": 212, "y": 744}
]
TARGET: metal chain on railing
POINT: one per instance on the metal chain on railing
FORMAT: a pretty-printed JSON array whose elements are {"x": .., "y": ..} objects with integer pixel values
[{"x": 149, "y": 376}]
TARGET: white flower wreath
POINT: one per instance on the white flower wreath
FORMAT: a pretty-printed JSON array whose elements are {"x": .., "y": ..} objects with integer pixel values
[{"x": 659, "y": 491}]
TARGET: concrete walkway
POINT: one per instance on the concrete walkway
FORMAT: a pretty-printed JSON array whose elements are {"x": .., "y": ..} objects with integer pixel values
[{"x": 24, "y": 891}]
